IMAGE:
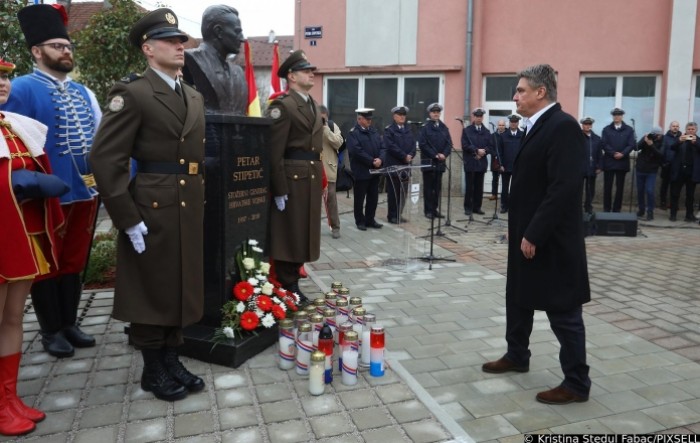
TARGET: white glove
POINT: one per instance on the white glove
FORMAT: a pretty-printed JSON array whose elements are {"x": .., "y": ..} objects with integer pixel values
[
  {"x": 136, "y": 234},
  {"x": 279, "y": 201}
]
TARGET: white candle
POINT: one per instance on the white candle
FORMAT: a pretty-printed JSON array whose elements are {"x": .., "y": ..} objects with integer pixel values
[
  {"x": 286, "y": 352},
  {"x": 314, "y": 338},
  {"x": 304, "y": 348},
  {"x": 316, "y": 384},
  {"x": 349, "y": 374},
  {"x": 365, "y": 346}
]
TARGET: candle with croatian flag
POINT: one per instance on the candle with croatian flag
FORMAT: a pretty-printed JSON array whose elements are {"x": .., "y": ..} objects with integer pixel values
[
  {"x": 304, "y": 349},
  {"x": 287, "y": 344},
  {"x": 348, "y": 374},
  {"x": 376, "y": 358},
  {"x": 369, "y": 320}
]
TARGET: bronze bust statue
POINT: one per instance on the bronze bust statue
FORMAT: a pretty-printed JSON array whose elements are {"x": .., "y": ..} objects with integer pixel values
[{"x": 210, "y": 68}]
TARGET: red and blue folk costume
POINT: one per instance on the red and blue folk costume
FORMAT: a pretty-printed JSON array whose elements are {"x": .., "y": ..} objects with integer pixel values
[{"x": 28, "y": 227}]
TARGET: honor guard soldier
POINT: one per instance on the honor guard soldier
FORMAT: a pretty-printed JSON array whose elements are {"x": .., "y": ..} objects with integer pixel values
[
  {"x": 72, "y": 114},
  {"x": 159, "y": 123},
  {"x": 296, "y": 174},
  {"x": 476, "y": 144}
]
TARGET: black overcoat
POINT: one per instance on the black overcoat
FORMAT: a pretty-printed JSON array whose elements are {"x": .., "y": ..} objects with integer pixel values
[{"x": 545, "y": 208}]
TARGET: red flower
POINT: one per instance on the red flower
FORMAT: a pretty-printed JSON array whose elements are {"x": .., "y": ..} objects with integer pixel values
[
  {"x": 243, "y": 290},
  {"x": 249, "y": 321},
  {"x": 278, "y": 312},
  {"x": 264, "y": 303},
  {"x": 290, "y": 304}
]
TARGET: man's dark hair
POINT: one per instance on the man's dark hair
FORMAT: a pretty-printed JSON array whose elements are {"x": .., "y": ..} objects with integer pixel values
[{"x": 541, "y": 76}]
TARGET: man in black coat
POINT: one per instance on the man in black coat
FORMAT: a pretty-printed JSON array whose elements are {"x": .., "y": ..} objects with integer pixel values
[
  {"x": 435, "y": 146},
  {"x": 618, "y": 141},
  {"x": 547, "y": 267},
  {"x": 476, "y": 144},
  {"x": 508, "y": 151}
]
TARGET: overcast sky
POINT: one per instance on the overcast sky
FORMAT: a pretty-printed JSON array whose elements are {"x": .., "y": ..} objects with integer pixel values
[{"x": 258, "y": 17}]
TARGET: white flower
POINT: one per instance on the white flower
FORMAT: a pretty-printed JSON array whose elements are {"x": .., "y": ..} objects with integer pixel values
[
  {"x": 267, "y": 288},
  {"x": 256, "y": 290},
  {"x": 268, "y": 320},
  {"x": 265, "y": 268},
  {"x": 253, "y": 281},
  {"x": 259, "y": 312},
  {"x": 240, "y": 307},
  {"x": 248, "y": 263},
  {"x": 261, "y": 277},
  {"x": 228, "y": 332},
  {"x": 256, "y": 249},
  {"x": 252, "y": 242}
]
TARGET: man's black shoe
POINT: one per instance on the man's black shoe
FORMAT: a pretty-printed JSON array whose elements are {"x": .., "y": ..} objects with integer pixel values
[
  {"x": 438, "y": 215},
  {"x": 393, "y": 221},
  {"x": 361, "y": 227},
  {"x": 640, "y": 212},
  {"x": 56, "y": 344},
  {"x": 375, "y": 225},
  {"x": 479, "y": 211},
  {"x": 429, "y": 215},
  {"x": 469, "y": 213},
  {"x": 690, "y": 218},
  {"x": 504, "y": 210},
  {"x": 404, "y": 220},
  {"x": 179, "y": 372},
  {"x": 78, "y": 338},
  {"x": 672, "y": 217},
  {"x": 157, "y": 379}
]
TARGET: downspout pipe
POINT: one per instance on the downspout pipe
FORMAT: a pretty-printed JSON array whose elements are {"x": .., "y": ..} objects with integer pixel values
[{"x": 468, "y": 64}]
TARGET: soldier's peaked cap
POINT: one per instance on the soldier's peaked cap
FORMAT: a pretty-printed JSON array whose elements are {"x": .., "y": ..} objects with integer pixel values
[
  {"x": 158, "y": 24},
  {"x": 296, "y": 61}
]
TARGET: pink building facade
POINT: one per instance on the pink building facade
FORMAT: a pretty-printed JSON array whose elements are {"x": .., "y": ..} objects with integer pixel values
[{"x": 639, "y": 55}]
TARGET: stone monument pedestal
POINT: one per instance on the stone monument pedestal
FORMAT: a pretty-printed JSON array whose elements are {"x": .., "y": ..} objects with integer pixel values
[{"x": 236, "y": 209}]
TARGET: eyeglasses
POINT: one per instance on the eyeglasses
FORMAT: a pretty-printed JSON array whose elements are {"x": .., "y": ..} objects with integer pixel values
[{"x": 60, "y": 47}]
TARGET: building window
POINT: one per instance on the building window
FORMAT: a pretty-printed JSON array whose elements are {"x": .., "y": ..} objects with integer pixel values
[
  {"x": 500, "y": 89},
  {"x": 344, "y": 94},
  {"x": 635, "y": 94}
]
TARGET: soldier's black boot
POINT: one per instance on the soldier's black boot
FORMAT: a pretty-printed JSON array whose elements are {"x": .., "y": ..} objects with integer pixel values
[
  {"x": 70, "y": 288},
  {"x": 179, "y": 373},
  {"x": 46, "y": 304},
  {"x": 156, "y": 379}
]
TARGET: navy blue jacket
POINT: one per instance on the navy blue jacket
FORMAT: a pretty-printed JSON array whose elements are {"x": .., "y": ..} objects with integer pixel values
[
  {"x": 473, "y": 140},
  {"x": 594, "y": 155},
  {"x": 398, "y": 144},
  {"x": 364, "y": 145},
  {"x": 434, "y": 140},
  {"x": 670, "y": 140},
  {"x": 678, "y": 161},
  {"x": 615, "y": 140},
  {"x": 510, "y": 146}
]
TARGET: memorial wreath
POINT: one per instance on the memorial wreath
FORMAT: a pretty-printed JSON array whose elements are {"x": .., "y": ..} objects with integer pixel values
[{"x": 257, "y": 299}]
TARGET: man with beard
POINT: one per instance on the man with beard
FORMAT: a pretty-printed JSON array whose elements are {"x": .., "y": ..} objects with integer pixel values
[{"x": 71, "y": 112}]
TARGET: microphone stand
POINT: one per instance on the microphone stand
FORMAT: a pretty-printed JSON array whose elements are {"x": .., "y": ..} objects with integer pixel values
[{"x": 448, "y": 223}]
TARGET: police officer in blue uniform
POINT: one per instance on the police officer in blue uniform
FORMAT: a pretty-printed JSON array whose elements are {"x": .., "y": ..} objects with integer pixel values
[
  {"x": 366, "y": 153},
  {"x": 400, "y": 150},
  {"x": 435, "y": 146},
  {"x": 476, "y": 144},
  {"x": 508, "y": 150}
]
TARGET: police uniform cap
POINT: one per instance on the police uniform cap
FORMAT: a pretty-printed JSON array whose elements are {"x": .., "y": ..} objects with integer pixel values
[
  {"x": 40, "y": 23},
  {"x": 6, "y": 66},
  {"x": 478, "y": 112},
  {"x": 158, "y": 24},
  {"x": 403, "y": 110},
  {"x": 365, "y": 112},
  {"x": 514, "y": 118},
  {"x": 587, "y": 121},
  {"x": 617, "y": 111},
  {"x": 434, "y": 107},
  {"x": 297, "y": 61}
]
